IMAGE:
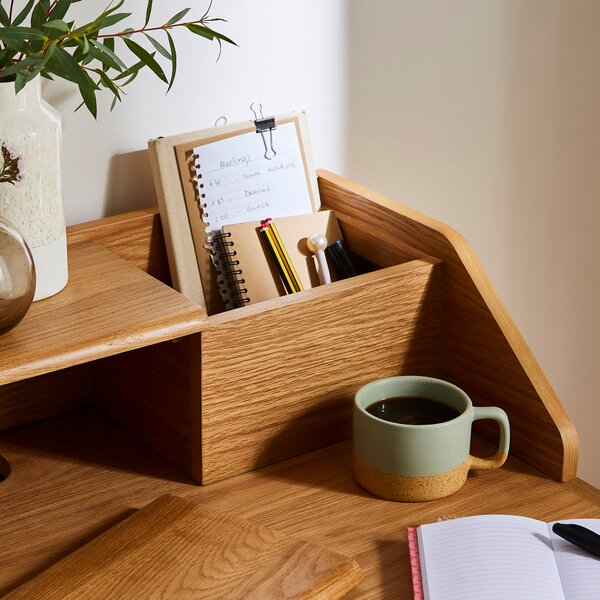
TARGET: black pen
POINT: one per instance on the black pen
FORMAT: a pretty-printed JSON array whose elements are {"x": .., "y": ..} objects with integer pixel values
[{"x": 580, "y": 536}]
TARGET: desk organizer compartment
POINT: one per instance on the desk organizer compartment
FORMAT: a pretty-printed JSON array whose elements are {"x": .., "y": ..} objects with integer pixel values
[{"x": 276, "y": 379}]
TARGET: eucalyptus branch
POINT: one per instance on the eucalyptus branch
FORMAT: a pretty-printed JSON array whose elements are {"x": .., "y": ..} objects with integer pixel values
[{"x": 52, "y": 46}]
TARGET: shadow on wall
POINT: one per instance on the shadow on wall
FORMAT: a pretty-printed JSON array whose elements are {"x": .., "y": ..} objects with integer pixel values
[
  {"x": 553, "y": 204},
  {"x": 130, "y": 185}
]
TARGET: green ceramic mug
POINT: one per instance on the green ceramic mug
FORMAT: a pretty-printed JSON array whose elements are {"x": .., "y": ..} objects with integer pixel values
[{"x": 414, "y": 462}]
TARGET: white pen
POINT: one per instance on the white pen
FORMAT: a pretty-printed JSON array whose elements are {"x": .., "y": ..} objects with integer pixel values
[{"x": 317, "y": 243}]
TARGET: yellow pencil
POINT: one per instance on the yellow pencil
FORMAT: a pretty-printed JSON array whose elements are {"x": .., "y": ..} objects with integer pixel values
[
  {"x": 277, "y": 258},
  {"x": 296, "y": 283}
]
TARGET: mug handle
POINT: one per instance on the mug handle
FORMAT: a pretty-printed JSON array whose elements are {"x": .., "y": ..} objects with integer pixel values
[{"x": 497, "y": 414}]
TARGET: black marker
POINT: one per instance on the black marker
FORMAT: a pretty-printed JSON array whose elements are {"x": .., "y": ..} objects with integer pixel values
[{"x": 579, "y": 535}]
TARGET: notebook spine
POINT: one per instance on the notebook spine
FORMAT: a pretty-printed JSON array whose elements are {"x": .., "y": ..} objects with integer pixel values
[{"x": 230, "y": 277}]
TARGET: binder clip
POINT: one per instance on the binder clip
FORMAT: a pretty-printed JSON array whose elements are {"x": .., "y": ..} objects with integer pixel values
[{"x": 263, "y": 124}]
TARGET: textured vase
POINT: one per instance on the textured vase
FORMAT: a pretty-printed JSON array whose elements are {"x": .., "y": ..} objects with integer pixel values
[
  {"x": 17, "y": 277},
  {"x": 31, "y": 181}
]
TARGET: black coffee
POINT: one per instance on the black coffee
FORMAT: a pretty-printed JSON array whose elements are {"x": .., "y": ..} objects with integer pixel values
[{"x": 412, "y": 410}]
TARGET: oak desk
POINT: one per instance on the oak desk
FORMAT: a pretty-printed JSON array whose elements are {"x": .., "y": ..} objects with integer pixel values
[
  {"x": 77, "y": 475},
  {"x": 107, "y": 341}
]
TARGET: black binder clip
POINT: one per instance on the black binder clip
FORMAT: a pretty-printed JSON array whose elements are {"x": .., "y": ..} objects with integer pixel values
[{"x": 263, "y": 124}]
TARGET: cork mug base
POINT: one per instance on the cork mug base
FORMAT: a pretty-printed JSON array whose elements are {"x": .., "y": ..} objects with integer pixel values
[{"x": 403, "y": 488}]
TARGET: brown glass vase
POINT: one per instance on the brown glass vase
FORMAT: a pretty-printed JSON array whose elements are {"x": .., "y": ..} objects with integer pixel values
[{"x": 17, "y": 277}]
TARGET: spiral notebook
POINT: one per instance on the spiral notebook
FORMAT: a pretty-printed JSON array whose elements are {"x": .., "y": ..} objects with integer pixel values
[
  {"x": 222, "y": 176},
  {"x": 246, "y": 274}
]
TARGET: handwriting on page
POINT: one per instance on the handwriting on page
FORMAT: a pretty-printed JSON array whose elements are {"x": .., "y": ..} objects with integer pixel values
[{"x": 237, "y": 184}]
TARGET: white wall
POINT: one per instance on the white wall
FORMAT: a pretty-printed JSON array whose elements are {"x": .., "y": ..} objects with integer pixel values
[
  {"x": 291, "y": 56},
  {"x": 486, "y": 115}
]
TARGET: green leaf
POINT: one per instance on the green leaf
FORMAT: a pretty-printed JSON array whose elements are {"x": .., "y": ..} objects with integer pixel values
[
  {"x": 173, "y": 60},
  {"x": 23, "y": 14},
  {"x": 57, "y": 24},
  {"x": 64, "y": 65},
  {"x": 178, "y": 16},
  {"x": 111, "y": 20},
  {"x": 131, "y": 72},
  {"x": 38, "y": 16},
  {"x": 21, "y": 66},
  {"x": 87, "y": 89},
  {"x": 107, "y": 82},
  {"x": 148, "y": 12},
  {"x": 208, "y": 33},
  {"x": 105, "y": 55},
  {"x": 20, "y": 34},
  {"x": 95, "y": 24},
  {"x": 60, "y": 9},
  {"x": 161, "y": 49},
  {"x": 20, "y": 81},
  {"x": 18, "y": 46},
  {"x": 146, "y": 58},
  {"x": 4, "y": 20},
  {"x": 47, "y": 56},
  {"x": 201, "y": 30}
]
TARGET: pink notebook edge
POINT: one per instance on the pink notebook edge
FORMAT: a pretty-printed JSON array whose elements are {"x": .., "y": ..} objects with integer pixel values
[{"x": 415, "y": 563}]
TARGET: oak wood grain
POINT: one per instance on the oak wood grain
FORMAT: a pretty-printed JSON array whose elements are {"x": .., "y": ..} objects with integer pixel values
[
  {"x": 136, "y": 236},
  {"x": 108, "y": 307},
  {"x": 76, "y": 476},
  {"x": 43, "y": 396},
  {"x": 482, "y": 350},
  {"x": 149, "y": 392},
  {"x": 175, "y": 548},
  {"x": 278, "y": 377}
]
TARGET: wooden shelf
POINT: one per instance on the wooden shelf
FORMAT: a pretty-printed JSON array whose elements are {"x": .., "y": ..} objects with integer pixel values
[{"x": 108, "y": 307}]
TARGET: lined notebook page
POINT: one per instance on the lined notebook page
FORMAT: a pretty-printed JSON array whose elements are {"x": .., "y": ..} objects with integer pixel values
[
  {"x": 488, "y": 558},
  {"x": 238, "y": 184},
  {"x": 579, "y": 571}
]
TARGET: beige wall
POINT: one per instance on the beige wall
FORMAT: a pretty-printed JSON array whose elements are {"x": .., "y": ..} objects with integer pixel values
[{"x": 486, "y": 115}]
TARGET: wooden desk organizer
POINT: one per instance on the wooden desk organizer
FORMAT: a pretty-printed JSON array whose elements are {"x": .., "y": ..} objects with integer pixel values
[{"x": 276, "y": 379}]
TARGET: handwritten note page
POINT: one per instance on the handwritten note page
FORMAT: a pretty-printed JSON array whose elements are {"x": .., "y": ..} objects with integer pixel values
[
  {"x": 579, "y": 570},
  {"x": 238, "y": 184},
  {"x": 488, "y": 558}
]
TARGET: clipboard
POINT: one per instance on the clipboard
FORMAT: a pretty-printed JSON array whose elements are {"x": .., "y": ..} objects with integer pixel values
[{"x": 183, "y": 207}]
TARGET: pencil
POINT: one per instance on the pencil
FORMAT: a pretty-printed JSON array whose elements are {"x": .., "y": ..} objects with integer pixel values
[
  {"x": 277, "y": 259},
  {"x": 296, "y": 283}
]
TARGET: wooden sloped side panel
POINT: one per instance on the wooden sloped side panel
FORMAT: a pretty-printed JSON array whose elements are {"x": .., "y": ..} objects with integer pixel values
[
  {"x": 482, "y": 350},
  {"x": 278, "y": 378}
]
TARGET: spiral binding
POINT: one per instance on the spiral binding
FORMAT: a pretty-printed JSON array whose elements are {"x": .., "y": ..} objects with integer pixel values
[{"x": 230, "y": 280}]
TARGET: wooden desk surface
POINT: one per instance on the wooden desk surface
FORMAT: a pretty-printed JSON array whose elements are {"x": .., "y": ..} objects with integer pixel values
[{"x": 77, "y": 475}]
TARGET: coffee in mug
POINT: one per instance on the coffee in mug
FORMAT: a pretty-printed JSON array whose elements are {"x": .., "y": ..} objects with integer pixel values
[{"x": 412, "y": 438}]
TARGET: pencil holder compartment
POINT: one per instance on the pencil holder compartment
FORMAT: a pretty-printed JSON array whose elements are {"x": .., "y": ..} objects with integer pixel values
[{"x": 275, "y": 379}]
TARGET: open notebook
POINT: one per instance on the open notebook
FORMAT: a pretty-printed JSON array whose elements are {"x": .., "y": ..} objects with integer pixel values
[{"x": 501, "y": 557}]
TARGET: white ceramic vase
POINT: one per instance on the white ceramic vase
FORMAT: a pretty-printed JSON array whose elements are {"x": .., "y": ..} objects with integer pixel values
[{"x": 31, "y": 181}]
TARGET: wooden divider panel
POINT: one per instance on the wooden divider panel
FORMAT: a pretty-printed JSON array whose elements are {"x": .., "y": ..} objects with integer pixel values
[
  {"x": 482, "y": 350},
  {"x": 278, "y": 377}
]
